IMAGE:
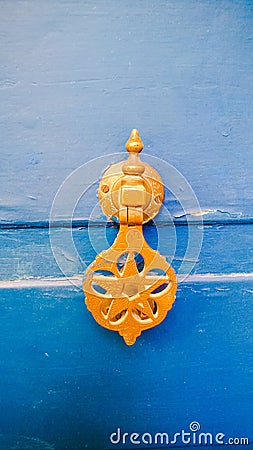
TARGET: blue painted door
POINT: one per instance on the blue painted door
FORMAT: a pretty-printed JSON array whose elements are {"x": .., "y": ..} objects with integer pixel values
[{"x": 76, "y": 77}]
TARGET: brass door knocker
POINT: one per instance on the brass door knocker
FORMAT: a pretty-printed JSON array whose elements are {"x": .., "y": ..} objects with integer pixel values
[{"x": 130, "y": 287}]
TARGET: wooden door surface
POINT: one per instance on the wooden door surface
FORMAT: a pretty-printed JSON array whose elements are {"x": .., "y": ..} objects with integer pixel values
[{"x": 76, "y": 77}]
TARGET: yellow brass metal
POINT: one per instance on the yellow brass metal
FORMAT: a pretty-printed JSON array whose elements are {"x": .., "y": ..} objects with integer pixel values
[
  {"x": 130, "y": 287},
  {"x": 144, "y": 184}
]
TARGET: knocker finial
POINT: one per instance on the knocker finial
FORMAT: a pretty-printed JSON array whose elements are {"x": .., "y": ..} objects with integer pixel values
[{"x": 134, "y": 143}]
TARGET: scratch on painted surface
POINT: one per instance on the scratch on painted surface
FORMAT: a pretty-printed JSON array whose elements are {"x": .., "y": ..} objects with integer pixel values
[
  {"x": 209, "y": 211},
  {"x": 17, "y": 442},
  {"x": 69, "y": 257},
  {"x": 32, "y": 197},
  {"x": 8, "y": 84}
]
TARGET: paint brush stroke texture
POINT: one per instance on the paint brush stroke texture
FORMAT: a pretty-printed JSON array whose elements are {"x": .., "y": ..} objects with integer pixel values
[{"x": 77, "y": 76}]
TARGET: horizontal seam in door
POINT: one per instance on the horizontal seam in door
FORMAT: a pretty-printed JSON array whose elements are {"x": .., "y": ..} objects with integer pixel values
[
  {"x": 86, "y": 223},
  {"x": 76, "y": 280}
]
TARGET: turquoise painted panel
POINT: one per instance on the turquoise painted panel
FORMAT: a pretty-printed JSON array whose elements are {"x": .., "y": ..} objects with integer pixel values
[{"x": 69, "y": 382}]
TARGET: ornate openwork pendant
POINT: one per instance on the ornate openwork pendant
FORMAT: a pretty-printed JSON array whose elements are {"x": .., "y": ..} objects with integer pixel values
[{"x": 130, "y": 287}]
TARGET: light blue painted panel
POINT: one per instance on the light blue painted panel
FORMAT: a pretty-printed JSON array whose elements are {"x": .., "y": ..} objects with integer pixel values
[
  {"x": 27, "y": 253},
  {"x": 76, "y": 76}
]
